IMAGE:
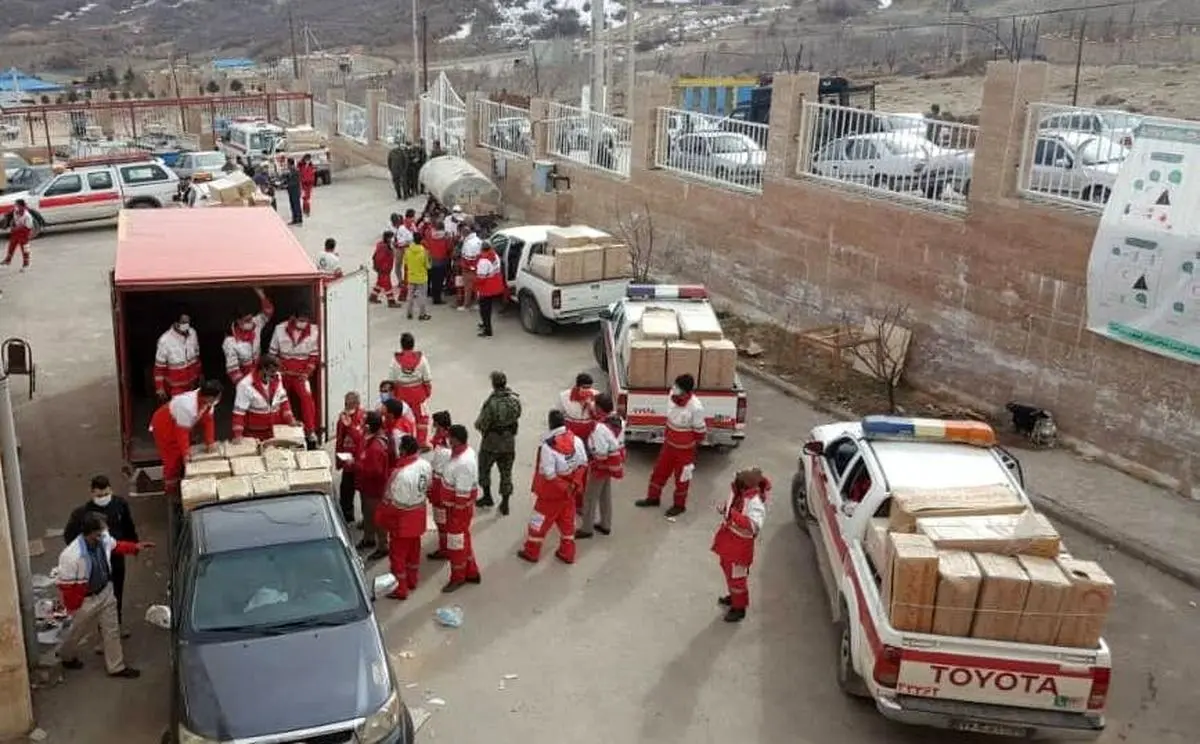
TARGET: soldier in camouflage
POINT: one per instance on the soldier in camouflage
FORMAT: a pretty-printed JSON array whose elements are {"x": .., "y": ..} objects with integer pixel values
[{"x": 497, "y": 423}]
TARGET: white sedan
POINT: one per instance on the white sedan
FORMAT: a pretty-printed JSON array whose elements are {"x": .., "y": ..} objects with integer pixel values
[
  {"x": 897, "y": 161},
  {"x": 1076, "y": 165}
]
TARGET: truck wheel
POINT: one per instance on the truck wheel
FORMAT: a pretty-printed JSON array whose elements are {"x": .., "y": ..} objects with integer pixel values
[
  {"x": 800, "y": 508},
  {"x": 598, "y": 353},
  {"x": 532, "y": 319},
  {"x": 847, "y": 679}
]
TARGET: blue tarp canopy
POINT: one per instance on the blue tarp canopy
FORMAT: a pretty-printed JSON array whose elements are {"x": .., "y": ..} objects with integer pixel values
[
  {"x": 233, "y": 63},
  {"x": 12, "y": 80}
]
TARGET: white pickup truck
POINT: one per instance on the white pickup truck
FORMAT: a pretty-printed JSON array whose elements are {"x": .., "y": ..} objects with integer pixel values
[
  {"x": 544, "y": 304},
  {"x": 845, "y": 477},
  {"x": 645, "y": 409}
]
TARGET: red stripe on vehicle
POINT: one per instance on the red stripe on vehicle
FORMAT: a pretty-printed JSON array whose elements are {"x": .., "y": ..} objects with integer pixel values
[
  {"x": 1003, "y": 665},
  {"x": 76, "y": 199},
  {"x": 652, "y": 419}
]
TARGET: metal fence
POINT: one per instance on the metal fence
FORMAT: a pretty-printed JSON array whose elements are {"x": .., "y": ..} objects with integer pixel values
[
  {"x": 292, "y": 111},
  {"x": 505, "y": 128},
  {"x": 1072, "y": 155},
  {"x": 905, "y": 157},
  {"x": 443, "y": 118},
  {"x": 322, "y": 117},
  {"x": 352, "y": 122},
  {"x": 590, "y": 138},
  {"x": 715, "y": 149},
  {"x": 391, "y": 124}
]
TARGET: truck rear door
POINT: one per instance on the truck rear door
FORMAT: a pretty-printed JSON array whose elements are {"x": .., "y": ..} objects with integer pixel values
[{"x": 346, "y": 339}]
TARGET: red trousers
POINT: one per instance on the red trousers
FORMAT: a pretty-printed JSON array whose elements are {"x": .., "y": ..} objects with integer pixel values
[
  {"x": 383, "y": 288},
  {"x": 547, "y": 513},
  {"x": 736, "y": 583},
  {"x": 306, "y": 199},
  {"x": 18, "y": 237},
  {"x": 404, "y": 559},
  {"x": 172, "y": 460},
  {"x": 671, "y": 463},
  {"x": 301, "y": 390},
  {"x": 458, "y": 543}
]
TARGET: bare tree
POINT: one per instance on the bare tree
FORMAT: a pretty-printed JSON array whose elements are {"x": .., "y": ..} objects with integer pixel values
[
  {"x": 639, "y": 232},
  {"x": 880, "y": 345}
]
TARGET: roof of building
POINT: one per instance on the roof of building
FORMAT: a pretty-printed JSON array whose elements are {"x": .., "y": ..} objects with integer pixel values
[
  {"x": 12, "y": 80},
  {"x": 233, "y": 63},
  {"x": 158, "y": 248}
]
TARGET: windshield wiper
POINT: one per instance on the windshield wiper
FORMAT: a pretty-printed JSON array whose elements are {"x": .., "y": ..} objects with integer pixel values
[{"x": 294, "y": 625}]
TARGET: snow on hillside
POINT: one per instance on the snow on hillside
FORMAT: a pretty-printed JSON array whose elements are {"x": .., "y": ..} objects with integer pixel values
[{"x": 523, "y": 20}]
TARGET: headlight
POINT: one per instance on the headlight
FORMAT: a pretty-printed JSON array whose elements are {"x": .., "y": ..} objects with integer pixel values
[
  {"x": 187, "y": 737},
  {"x": 380, "y": 724}
]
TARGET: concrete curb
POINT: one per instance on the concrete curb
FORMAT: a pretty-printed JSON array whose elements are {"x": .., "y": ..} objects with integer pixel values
[{"x": 1070, "y": 516}]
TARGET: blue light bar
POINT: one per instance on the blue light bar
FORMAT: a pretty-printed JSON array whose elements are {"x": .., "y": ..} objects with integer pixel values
[{"x": 903, "y": 428}]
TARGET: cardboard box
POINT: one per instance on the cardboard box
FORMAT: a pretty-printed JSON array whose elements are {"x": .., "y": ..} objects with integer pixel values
[
  {"x": 914, "y": 582},
  {"x": 618, "y": 262},
  {"x": 313, "y": 460},
  {"x": 569, "y": 265},
  {"x": 683, "y": 358},
  {"x": 265, "y": 484},
  {"x": 1001, "y": 597},
  {"x": 542, "y": 266},
  {"x": 214, "y": 468},
  {"x": 876, "y": 545},
  {"x": 718, "y": 364},
  {"x": 247, "y": 465},
  {"x": 292, "y": 434},
  {"x": 909, "y": 505},
  {"x": 647, "y": 363},
  {"x": 572, "y": 237},
  {"x": 200, "y": 453},
  {"x": 1086, "y": 606},
  {"x": 196, "y": 491},
  {"x": 959, "y": 578},
  {"x": 1048, "y": 588},
  {"x": 310, "y": 480},
  {"x": 699, "y": 323},
  {"x": 279, "y": 459},
  {"x": 659, "y": 324},
  {"x": 237, "y": 487},
  {"x": 244, "y": 448},
  {"x": 593, "y": 263},
  {"x": 1029, "y": 533}
]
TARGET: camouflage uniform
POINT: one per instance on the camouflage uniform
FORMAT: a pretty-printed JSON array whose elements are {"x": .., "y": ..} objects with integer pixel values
[{"x": 497, "y": 422}]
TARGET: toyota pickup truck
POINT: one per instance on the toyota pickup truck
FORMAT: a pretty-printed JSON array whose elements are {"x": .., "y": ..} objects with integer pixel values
[
  {"x": 845, "y": 477},
  {"x": 645, "y": 409},
  {"x": 542, "y": 303}
]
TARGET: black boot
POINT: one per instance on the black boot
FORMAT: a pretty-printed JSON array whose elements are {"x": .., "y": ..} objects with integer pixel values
[
  {"x": 725, "y": 601},
  {"x": 735, "y": 616},
  {"x": 485, "y": 501},
  {"x": 504, "y": 506}
]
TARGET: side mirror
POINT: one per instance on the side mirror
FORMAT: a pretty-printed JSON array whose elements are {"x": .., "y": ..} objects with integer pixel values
[
  {"x": 1062, "y": 163},
  {"x": 606, "y": 314},
  {"x": 814, "y": 448}
]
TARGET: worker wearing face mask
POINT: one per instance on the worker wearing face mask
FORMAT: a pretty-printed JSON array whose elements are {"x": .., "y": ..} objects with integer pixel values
[
  {"x": 296, "y": 345},
  {"x": 177, "y": 360},
  {"x": 243, "y": 345},
  {"x": 119, "y": 518}
]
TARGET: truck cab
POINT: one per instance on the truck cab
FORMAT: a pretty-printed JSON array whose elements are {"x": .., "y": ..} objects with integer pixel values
[{"x": 250, "y": 138}]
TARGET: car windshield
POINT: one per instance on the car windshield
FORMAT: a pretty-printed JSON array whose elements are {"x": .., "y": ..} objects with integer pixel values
[
  {"x": 275, "y": 587},
  {"x": 262, "y": 141},
  {"x": 31, "y": 178},
  {"x": 902, "y": 122},
  {"x": 1119, "y": 120},
  {"x": 209, "y": 160},
  {"x": 1101, "y": 150},
  {"x": 908, "y": 147},
  {"x": 732, "y": 143}
]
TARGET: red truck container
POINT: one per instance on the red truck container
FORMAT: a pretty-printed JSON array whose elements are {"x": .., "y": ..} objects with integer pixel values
[{"x": 207, "y": 263}]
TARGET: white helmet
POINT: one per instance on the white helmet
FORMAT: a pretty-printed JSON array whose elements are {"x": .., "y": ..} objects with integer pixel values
[{"x": 456, "y": 209}]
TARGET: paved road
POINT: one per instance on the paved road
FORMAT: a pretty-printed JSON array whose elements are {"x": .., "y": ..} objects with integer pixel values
[{"x": 626, "y": 645}]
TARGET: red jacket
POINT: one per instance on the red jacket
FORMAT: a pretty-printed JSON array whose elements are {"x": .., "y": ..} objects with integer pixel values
[
  {"x": 350, "y": 437},
  {"x": 174, "y": 420},
  {"x": 384, "y": 259},
  {"x": 374, "y": 466},
  {"x": 75, "y": 565},
  {"x": 743, "y": 519},
  {"x": 308, "y": 174},
  {"x": 437, "y": 243}
]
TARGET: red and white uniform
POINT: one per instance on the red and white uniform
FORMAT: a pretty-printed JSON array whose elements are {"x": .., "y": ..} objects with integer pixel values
[
  {"x": 259, "y": 405},
  {"x": 607, "y": 448},
  {"x": 329, "y": 264},
  {"x": 308, "y": 179},
  {"x": 489, "y": 275},
  {"x": 20, "y": 231},
  {"x": 75, "y": 566},
  {"x": 413, "y": 384},
  {"x": 439, "y": 458},
  {"x": 744, "y": 514},
  {"x": 177, "y": 362},
  {"x": 243, "y": 345},
  {"x": 371, "y": 470},
  {"x": 172, "y": 426},
  {"x": 349, "y": 437},
  {"x": 398, "y": 428},
  {"x": 298, "y": 349},
  {"x": 403, "y": 515},
  {"x": 558, "y": 479},
  {"x": 686, "y": 429},
  {"x": 461, "y": 479},
  {"x": 578, "y": 406}
]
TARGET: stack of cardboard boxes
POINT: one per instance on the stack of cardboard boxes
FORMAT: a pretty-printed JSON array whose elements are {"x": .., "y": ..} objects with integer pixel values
[
  {"x": 984, "y": 567},
  {"x": 578, "y": 254},
  {"x": 236, "y": 190},
  {"x": 250, "y": 469},
  {"x": 669, "y": 342}
]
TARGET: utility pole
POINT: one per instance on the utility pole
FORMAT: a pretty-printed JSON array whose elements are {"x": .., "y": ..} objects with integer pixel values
[
  {"x": 14, "y": 512},
  {"x": 596, "y": 102},
  {"x": 416, "y": 54},
  {"x": 292, "y": 33},
  {"x": 630, "y": 59},
  {"x": 424, "y": 52},
  {"x": 1078, "y": 61}
]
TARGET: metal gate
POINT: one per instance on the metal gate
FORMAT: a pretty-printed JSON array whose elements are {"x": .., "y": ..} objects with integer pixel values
[{"x": 443, "y": 118}]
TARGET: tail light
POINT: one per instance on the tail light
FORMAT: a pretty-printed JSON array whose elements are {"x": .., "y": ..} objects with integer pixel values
[
  {"x": 1127, "y": 141},
  {"x": 887, "y": 667},
  {"x": 622, "y": 405},
  {"x": 556, "y": 299},
  {"x": 741, "y": 410},
  {"x": 1099, "y": 695}
]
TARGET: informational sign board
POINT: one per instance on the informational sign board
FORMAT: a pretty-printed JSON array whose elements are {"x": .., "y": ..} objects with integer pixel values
[{"x": 1144, "y": 273}]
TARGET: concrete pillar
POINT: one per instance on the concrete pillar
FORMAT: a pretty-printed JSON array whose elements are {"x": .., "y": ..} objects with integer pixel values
[
  {"x": 1008, "y": 89},
  {"x": 539, "y": 113},
  {"x": 785, "y": 139},
  {"x": 193, "y": 121},
  {"x": 412, "y": 115},
  {"x": 16, "y": 702},
  {"x": 653, "y": 93},
  {"x": 375, "y": 96},
  {"x": 332, "y": 96}
]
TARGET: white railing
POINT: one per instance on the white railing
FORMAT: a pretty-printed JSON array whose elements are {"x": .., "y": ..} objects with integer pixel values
[
  {"x": 898, "y": 156},
  {"x": 352, "y": 122},
  {"x": 322, "y": 118},
  {"x": 391, "y": 124},
  {"x": 716, "y": 149},
  {"x": 1072, "y": 155},
  {"x": 589, "y": 138},
  {"x": 443, "y": 124},
  {"x": 505, "y": 128},
  {"x": 14, "y": 131}
]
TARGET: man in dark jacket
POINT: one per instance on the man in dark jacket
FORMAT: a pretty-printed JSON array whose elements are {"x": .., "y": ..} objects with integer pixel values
[
  {"x": 291, "y": 180},
  {"x": 397, "y": 163},
  {"x": 119, "y": 519},
  {"x": 497, "y": 423},
  {"x": 412, "y": 177}
]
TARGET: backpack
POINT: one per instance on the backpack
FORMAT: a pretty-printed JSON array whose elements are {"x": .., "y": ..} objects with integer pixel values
[{"x": 507, "y": 411}]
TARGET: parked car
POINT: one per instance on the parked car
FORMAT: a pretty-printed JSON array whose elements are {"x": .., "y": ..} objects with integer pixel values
[
  {"x": 1117, "y": 125},
  {"x": 576, "y": 133},
  {"x": 511, "y": 133},
  {"x": 898, "y": 161},
  {"x": 27, "y": 178},
  {"x": 211, "y": 162},
  {"x": 726, "y": 156},
  {"x": 13, "y": 162},
  {"x": 1077, "y": 165}
]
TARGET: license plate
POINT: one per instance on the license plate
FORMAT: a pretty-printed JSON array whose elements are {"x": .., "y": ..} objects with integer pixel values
[{"x": 995, "y": 729}]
